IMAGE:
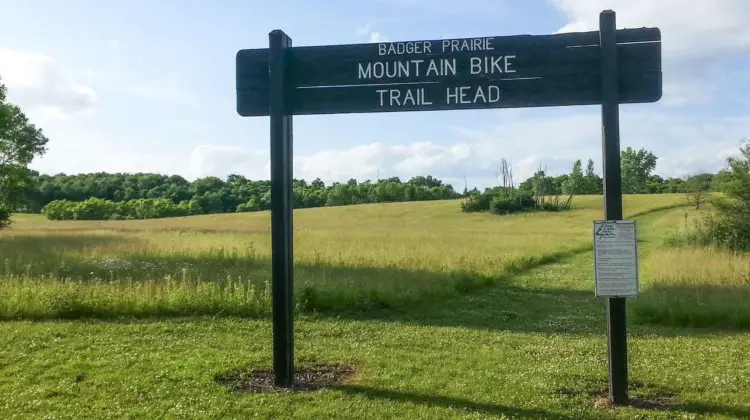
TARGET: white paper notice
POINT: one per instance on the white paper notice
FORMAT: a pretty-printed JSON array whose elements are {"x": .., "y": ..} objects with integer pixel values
[{"x": 615, "y": 258}]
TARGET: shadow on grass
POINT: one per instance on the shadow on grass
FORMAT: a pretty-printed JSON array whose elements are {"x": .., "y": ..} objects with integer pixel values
[
  {"x": 642, "y": 395},
  {"x": 450, "y": 402},
  {"x": 59, "y": 254},
  {"x": 219, "y": 283},
  {"x": 649, "y": 397},
  {"x": 207, "y": 284},
  {"x": 666, "y": 312},
  {"x": 708, "y": 409},
  {"x": 699, "y": 306},
  {"x": 55, "y": 242}
]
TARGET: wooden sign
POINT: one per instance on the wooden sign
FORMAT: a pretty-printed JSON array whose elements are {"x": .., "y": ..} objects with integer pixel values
[
  {"x": 607, "y": 67},
  {"x": 471, "y": 73}
]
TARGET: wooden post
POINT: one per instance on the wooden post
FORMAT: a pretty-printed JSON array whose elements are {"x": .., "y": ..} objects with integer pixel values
[
  {"x": 616, "y": 323},
  {"x": 281, "y": 211}
]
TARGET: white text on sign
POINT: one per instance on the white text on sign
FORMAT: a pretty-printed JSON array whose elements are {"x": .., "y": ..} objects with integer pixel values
[
  {"x": 441, "y": 67},
  {"x": 431, "y": 67},
  {"x": 425, "y": 47},
  {"x": 453, "y": 95},
  {"x": 414, "y": 66}
]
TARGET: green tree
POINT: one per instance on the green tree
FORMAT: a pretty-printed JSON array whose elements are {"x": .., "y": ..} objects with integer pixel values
[
  {"x": 729, "y": 225},
  {"x": 697, "y": 188},
  {"x": 720, "y": 181},
  {"x": 637, "y": 166},
  {"x": 592, "y": 182},
  {"x": 20, "y": 142},
  {"x": 574, "y": 183}
]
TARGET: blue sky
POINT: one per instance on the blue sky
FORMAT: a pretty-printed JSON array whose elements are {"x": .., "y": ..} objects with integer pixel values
[{"x": 149, "y": 86}]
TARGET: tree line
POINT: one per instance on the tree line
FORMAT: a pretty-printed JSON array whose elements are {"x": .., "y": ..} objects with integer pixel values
[
  {"x": 125, "y": 196},
  {"x": 545, "y": 192}
]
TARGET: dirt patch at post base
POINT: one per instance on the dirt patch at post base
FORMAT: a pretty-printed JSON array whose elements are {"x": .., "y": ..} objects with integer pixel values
[
  {"x": 657, "y": 402},
  {"x": 306, "y": 379}
]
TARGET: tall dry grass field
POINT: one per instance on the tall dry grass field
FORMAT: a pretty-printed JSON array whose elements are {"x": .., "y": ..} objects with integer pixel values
[
  {"x": 353, "y": 257},
  {"x": 696, "y": 287}
]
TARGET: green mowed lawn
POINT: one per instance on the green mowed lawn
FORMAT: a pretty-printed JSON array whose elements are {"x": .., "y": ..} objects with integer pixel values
[
  {"x": 530, "y": 345},
  {"x": 509, "y": 352}
]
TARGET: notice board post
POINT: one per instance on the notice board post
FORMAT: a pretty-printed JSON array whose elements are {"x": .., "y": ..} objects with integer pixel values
[
  {"x": 616, "y": 325},
  {"x": 281, "y": 209}
]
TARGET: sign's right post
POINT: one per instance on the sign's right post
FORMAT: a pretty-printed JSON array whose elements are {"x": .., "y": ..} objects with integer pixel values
[{"x": 616, "y": 325}]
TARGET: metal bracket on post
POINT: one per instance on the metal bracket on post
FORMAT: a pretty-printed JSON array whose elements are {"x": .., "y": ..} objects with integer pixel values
[
  {"x": 616, "y": 323},
  {"x": 281, "y": 210}
]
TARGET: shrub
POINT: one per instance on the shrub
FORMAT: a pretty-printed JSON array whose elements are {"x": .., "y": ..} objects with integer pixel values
[
  {"x": 251, "y": 205},
  {"x": 728, "y": 225},
  {"x": 506, "y": 204},
  {"x": 99, "y": 209},
  {"x": 548, "y": 206},
  {"x": 476, "y": 202},
  {"x": 500, "y": 201}
]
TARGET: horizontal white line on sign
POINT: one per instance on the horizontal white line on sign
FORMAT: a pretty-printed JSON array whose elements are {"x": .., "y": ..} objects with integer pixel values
[{"x": 405, "y": 83}]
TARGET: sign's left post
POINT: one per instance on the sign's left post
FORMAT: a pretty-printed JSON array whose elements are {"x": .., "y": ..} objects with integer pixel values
[{"x": 281, "y": 209}]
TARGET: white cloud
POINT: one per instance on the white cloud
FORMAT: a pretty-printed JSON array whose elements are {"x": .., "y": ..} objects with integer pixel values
[
  {"x": 170, "y": 94},
  {"x": 367, "y": 32},
  {"x": 87, "y": 154},
  {"x": 42, "y": 87},
  {"x": 363, "y": 30},
  {"x": 687, "y": 92},
  {"x": 213, "y": 160},
  {"x": 493, "y": 9},
  {"x": 689, "y": 29},
  {"x": 684, "y": 144},
  {"x": 361, "y": 162},
  {"x": 356, "y": 162},
  {"x": 378, "y": 37}
]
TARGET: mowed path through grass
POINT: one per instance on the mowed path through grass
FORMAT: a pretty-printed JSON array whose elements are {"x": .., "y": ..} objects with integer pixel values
[
  {"x": 347, "y": 258},
  {"x": 531, "y": 345}
]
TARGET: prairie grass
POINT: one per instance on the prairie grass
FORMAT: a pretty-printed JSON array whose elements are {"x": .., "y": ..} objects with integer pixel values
[
  {"x": 346, "y": 258},
  {"x": 696, "y": 287}
]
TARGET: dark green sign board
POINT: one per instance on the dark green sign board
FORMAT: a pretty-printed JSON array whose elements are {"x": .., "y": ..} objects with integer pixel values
[
  {"x": 470, "y": 73},
  {"x": 607, "y": 67}
]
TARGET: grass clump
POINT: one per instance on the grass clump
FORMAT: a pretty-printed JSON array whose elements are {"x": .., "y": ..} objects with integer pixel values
[
  {"x": 52, "y": 298},
  {"x": 695, "y": 287}
]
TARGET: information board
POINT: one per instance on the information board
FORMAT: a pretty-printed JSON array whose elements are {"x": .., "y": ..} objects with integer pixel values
[{"x": 616, "y": 258}]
